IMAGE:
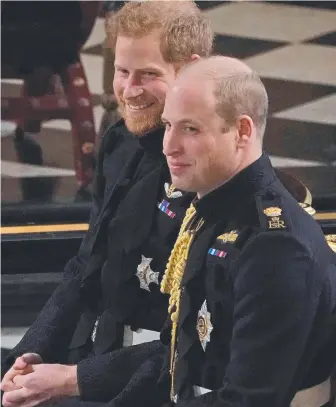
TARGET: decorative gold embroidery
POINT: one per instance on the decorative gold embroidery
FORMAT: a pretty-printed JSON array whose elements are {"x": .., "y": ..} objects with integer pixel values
[
  {"x": 170, "y": 191},
  {"x": 272, "y": 211},
  {"x": 229, "y": 237},
  {"x": 275, "y": 222},
  {"x": 171, "y": 282}
]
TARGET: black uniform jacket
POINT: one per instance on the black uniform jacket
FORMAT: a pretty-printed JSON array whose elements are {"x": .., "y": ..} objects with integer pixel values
[
  {"x": 258, "y": 303},
  {"x": 116, "y": 274}
]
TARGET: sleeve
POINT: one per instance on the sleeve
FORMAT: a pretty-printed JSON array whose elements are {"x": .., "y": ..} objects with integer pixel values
[
  {"x": 148, "y": 309},
  {"x": 124, "y": 372},
  {"x": 276, "y": 290},
  {"x": 52, "y": 331},
  {"x": 153, "y": 316}
]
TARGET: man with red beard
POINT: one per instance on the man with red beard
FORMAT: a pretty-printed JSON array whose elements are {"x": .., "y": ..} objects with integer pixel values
[{"x": 111, "y": 288}]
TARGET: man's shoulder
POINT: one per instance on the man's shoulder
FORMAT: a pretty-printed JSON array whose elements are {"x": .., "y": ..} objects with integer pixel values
[
  {"x": 283, "y": 223},
  {"x": 272, "y": 213}
]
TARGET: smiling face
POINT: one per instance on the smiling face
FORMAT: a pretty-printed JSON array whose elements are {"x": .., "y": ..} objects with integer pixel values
[
  {"x": 142, "y": 79},
  {"x": 202, "y": 152}
]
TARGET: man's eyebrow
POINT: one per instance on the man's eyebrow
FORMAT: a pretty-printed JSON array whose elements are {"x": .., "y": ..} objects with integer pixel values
[
  {"x": 189, "y": 121},
  {"x": 182, "y": 121},
  {"x": 142, "y": 69}
]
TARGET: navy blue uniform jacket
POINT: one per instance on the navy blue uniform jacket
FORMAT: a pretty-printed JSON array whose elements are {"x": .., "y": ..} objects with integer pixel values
[{"x": 257, "y": 313}]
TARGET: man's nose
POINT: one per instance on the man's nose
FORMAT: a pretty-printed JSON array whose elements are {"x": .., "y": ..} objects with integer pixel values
[
  {"x": 132, "y": 89},
  {"x": 171, "y": 144},
  {"x": 132, "y": 92}
]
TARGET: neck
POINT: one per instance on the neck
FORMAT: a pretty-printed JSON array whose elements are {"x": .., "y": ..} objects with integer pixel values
[{"x": 247, "y": 161}]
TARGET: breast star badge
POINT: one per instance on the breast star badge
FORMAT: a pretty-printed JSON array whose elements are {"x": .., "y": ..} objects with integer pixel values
[
  {"x": 170, "y": 191},
  {"x": 145, "y": 274},
  {"x": 204, "y": 326}
]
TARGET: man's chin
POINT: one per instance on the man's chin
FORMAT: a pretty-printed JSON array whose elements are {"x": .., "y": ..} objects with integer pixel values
[
  {"x": 138, "y": 128},
  {"x": 140, "y": 123},
  {"x": 141, "y": 126}
]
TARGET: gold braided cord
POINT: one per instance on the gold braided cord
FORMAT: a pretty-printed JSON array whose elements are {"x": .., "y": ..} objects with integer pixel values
[
  {"x": 171, "y": 281},
  {"x": 175, "y": 260},
  {"x": 331, "y": 240}
]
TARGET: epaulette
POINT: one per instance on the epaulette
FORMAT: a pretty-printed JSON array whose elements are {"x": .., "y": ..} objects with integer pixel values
[{"x": 271, "y": 213}]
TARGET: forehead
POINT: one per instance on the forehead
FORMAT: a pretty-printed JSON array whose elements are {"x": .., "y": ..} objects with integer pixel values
[
  {"x": 190, "y": 97},
  {"x": 136, "y": 53}
]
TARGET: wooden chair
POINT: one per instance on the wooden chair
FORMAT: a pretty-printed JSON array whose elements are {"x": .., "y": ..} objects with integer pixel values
[{"x": 41, "y": 44}]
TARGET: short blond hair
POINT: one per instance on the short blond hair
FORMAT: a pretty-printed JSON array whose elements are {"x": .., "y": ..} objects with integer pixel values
[
  {"x": 238, "y": 90},
  {"x": 242, "y": 94},
  {"x": 182, "y": 27}
]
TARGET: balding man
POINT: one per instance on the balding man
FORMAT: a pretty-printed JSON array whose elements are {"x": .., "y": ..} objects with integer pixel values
[{"x": 251, "y": 279}]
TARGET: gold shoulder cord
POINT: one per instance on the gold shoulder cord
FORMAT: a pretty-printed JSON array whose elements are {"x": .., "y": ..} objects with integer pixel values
[
  {"x": 172, "y": 278},
  {"x": 331, "y": 240},
  {"x": 306, "y": 205}
]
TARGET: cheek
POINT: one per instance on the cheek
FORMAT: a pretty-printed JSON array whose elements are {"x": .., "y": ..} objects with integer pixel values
[
  {"x": 203, "y": 155},
  {"x": 158, "y": 89},
  {"x": 210, "y": 159},
  {"x": 118, "y": 86},
  {"x": 224, "y": 157}
]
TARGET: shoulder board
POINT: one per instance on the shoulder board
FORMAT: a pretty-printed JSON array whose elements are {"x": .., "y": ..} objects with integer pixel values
[{"x": 271, "y": 213}]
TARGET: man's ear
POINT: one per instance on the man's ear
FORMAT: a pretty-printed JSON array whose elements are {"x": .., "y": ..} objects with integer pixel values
[
  {"x": 194, "y": 58},
  {"x": 179, "y": 67},
  {"x": 245, "y": 130}
]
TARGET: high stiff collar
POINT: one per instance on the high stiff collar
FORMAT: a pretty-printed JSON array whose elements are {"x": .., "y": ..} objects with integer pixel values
[
  {"x": 232, "y": 195},
  {"x": 152, "y": 141}
]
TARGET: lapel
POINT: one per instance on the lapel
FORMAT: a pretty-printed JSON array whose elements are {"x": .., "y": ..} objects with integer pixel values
[
  {"x": 116, "y": 192},
  {"x": 135, "y": 216},
  {"x": 197, "y": 254},
  {"x": 110, "y": 205},
  {"x": 195, "y": 265},
  {"x": 186, "y": 336}
]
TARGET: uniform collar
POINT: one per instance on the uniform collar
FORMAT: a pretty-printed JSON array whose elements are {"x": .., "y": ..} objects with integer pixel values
[
  {"x": 230, "y": 197},
  {"x": 152, "y": 142}
]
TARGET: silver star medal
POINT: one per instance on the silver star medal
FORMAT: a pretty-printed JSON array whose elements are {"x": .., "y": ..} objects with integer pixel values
[
  {"x": 145, "y": 274},
  {"x": 204, "y": 326},
  {"x": 170, "y": 191}
]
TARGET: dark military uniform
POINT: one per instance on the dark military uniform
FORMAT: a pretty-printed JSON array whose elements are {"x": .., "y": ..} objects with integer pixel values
[
  {"x": 114, "y": 280},
  {"x": 258, "y": 299}
]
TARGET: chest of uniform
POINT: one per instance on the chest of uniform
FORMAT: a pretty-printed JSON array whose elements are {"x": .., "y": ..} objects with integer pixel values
[
  {"x": 214, "y": 312},
  {"x": 114, "y": 162}
]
